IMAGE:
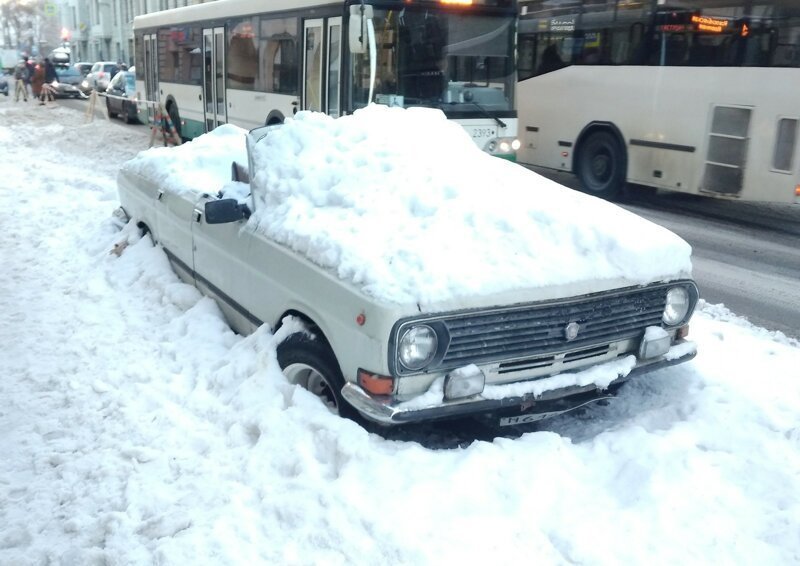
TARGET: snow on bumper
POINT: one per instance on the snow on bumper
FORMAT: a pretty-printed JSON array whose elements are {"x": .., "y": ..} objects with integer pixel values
[{"x": 546, "y": 397}]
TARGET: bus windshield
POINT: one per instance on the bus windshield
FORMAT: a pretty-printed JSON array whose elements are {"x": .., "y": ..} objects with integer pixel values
[{"x": 461, "y": 63}]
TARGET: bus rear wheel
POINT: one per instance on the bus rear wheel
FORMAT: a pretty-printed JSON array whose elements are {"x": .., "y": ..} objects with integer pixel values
[{"x": 601, "y": 165}]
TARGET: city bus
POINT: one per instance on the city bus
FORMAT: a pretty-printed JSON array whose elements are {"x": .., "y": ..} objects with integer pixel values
[
  {"x": 694, "y": 96},
  {"x": 253, "y": 63}
]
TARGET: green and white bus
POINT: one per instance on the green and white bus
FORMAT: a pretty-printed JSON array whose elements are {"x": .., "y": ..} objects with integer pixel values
[
  {"x": 253, "y": 63},
  {"x": 696, "y": 96}
]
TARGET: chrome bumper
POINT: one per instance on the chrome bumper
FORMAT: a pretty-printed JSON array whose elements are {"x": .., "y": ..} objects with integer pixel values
[{"x": 388, "y": 411}]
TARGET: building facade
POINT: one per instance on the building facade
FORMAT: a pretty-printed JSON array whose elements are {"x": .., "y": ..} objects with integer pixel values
[{"x": 102, "y": 30}]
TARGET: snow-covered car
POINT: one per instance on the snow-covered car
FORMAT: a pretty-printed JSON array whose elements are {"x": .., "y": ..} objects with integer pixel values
[{"x": 412, "y": 277}]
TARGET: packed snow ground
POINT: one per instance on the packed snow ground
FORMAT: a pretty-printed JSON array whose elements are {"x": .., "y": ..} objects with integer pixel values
[{"x": 136, "y": 428}]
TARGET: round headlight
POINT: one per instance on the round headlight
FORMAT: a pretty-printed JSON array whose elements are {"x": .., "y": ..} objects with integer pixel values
[
  {"x": 417, "y": 347},
  {"x": 515, "y": 145},
  {"x": 677, "y": 306}
]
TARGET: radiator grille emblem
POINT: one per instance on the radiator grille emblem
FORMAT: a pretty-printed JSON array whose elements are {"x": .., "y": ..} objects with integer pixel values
[{"x": 571, "y": 331}]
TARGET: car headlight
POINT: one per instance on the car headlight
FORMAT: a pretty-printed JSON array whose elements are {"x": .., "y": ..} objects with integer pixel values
[
  {"x": 677, "y": 306},
  {"x": 417, "y": 346}
]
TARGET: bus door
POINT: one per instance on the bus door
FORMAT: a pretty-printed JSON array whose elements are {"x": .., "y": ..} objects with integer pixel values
[
  {"x": 214, "y": 77},
  {"x": 322, "y": 58},
  {"x": 312, "y": 65},
  {"x": 151, "y": 73}
]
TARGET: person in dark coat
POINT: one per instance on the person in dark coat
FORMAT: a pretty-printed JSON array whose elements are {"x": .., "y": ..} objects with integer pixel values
[
  {"x": 50, "y": 77},
  {"x": 49, "y": 71}
]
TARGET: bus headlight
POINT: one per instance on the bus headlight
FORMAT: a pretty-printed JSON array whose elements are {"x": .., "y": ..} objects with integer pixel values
[
  {"x": 677, "y": 306},
  {"x": 417, "y": 346},
  {"x": 503, "y": 146}
]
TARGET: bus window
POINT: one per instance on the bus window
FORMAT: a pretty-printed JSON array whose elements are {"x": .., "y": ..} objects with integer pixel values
[{"x": 242, "y": 55}]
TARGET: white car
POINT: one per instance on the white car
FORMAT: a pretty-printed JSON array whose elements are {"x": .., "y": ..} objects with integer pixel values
[{"x": 401, "y": 301}]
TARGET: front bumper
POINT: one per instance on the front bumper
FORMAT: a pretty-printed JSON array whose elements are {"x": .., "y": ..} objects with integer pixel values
[
  {"x": 65, "y": 90},
  {"x": 387, "y": 411}
]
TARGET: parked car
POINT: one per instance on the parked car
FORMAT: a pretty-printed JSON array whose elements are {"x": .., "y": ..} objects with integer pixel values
[
  {"x": 100, "y": 75},
  {"x": 83, "y": 67},
  {"x": 5, "y": 80},
  {"x": 68, "y": 83},
  {"x": 412, "y": 279},
  {"x": 121, "y": 97}
]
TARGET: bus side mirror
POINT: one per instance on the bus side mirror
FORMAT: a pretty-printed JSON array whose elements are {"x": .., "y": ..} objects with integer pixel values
[{"x": 359, "y": 14}]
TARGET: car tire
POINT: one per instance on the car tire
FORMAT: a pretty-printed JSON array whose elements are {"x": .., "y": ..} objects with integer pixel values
[
  {"x": 111, "y": 113},
  {"x": 126, "y": 113},
  {"x": 601, "y": 166},
  {"x": 310, "y": 363}
]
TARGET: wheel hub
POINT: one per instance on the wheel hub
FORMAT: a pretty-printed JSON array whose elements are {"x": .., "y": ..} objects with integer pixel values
[{"x": 310, "y": 379}]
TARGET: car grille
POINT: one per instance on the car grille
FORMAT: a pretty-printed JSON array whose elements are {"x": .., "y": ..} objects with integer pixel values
[{"x": 537, "y": 330}]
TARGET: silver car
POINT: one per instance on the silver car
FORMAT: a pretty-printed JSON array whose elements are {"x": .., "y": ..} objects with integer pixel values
[{"x": 101, "y": 74}]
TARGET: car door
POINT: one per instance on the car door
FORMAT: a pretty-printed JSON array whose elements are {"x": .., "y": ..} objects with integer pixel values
[
  {"x": 174, "y": 211},
  {"x": 221, "y": 267},
  {"x": 113, "y": 94}
]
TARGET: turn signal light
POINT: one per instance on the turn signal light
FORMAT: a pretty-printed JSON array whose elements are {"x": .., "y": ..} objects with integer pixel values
[
  {"x": 375, "y": 384},
  {"x": 797, "y": 191}
]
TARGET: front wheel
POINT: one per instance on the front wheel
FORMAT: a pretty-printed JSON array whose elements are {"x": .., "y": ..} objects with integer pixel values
[
  {"x": 311, "y": 364},
  {"x": 601, "y": 165}
]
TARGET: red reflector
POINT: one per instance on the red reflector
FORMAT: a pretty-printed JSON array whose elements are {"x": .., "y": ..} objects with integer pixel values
[{"x": 375, "y": 384}]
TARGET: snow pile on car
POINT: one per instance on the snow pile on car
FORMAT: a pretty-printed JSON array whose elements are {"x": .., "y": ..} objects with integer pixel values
[
  {"x": 202, "y": 166},
  {"x": 402, "y": 203}
]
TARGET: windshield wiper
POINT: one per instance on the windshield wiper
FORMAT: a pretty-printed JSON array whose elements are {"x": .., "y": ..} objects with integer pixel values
[{"x": 486, "y": 113}]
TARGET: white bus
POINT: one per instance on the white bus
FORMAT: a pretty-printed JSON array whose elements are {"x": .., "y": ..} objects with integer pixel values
[
  {"x": 697, "y": 96},
  {"x": 253, "y": 62}
]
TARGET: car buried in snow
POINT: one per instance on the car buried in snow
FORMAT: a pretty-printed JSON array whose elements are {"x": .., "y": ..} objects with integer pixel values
[{"x": 413, "y": 288}]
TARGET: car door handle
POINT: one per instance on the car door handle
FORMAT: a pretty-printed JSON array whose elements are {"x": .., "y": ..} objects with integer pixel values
[
  {"x": 197, "y": 215},
  {"x": 160, "y": 195}
]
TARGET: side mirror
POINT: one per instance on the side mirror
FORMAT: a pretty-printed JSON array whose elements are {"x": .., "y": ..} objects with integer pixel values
[
  {"x": 359, "y": 14},
  {"x": 225, "y": 210}
]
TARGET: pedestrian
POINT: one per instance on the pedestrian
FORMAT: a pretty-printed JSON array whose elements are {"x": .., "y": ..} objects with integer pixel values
[
  {"x": 50, "y": 77},
  {"x": 31, "y": 66},
  {"x": 37, "y": 80},
  {"x": 20, "y": 81}
]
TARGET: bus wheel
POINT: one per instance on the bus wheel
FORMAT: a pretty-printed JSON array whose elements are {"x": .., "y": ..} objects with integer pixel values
[
  {"x": 601, "y": 165},
  {"x": 172, "y": 111},
  {"x": 311, "y": 364}
]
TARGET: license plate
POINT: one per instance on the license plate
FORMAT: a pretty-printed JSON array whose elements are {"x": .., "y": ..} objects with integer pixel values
[
  {"x": 482, "y": 134},
  {"x": 527, "y": 419}
]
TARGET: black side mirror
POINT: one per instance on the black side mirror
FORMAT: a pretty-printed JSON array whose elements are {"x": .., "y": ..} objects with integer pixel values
[{"x": 225, "y": 210}]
